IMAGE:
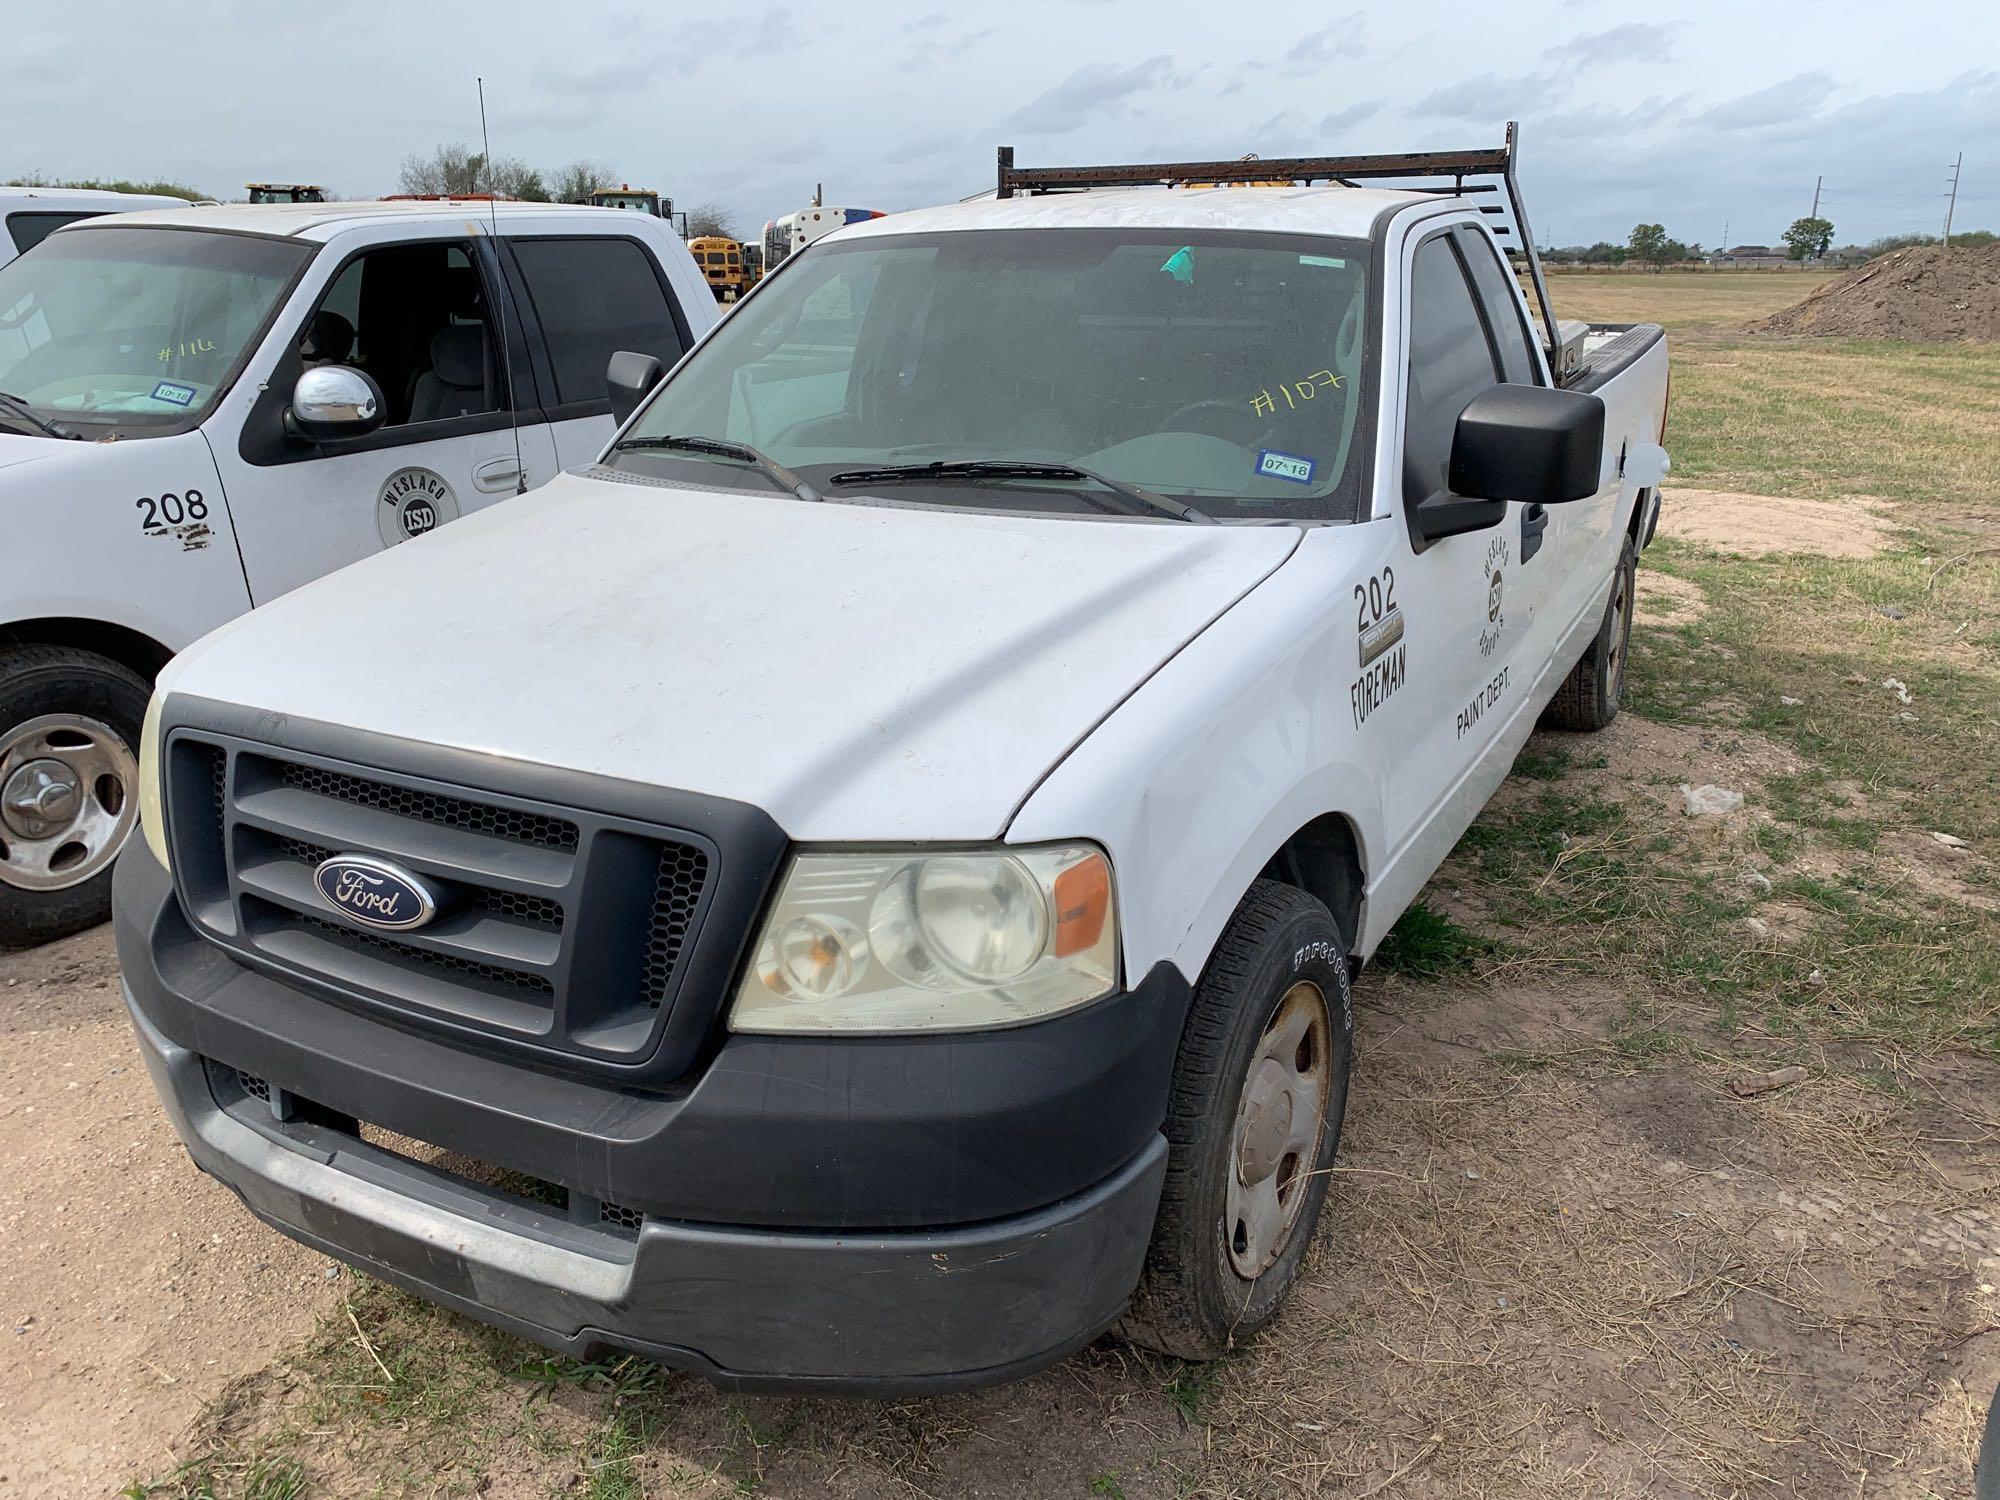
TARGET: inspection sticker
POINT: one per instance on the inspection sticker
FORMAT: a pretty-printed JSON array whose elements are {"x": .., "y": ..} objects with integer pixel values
[
  {"x": 1286, "y": 466},
  {"x": 179, "y": 395}
]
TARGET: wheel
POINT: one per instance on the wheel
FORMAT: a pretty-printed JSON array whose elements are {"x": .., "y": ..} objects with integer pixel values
[
  {"x": 1588, "y": 697},
  {"x": 1259, "y": 1088},
  {"x": 69, "y": 787}
]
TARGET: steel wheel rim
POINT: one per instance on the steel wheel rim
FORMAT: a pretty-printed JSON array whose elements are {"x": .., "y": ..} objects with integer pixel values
[
  {"x": 69, "y": 798},
  {"x": 1279, "y": 1117},
  {"x": 1621, "y": 601}
]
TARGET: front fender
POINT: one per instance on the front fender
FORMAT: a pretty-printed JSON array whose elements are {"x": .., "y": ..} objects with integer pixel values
[{"x": 1243, "y": 738}]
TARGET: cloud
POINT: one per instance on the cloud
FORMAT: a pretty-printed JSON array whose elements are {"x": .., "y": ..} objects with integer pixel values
[
  {"x": 1490, "y": 96},
  {"x": 1635, "y": 41},
  {"x": 1779, "y": 104},
  {"x": 1088, "y": 93},
  {"x": 1342, "y": 119},
  {"x": 1328, "y": 45}
]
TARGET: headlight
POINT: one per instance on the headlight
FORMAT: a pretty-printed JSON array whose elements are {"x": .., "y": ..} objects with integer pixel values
[
  {"x": 949, "y": 940},
  {"x": 152, "y": 822}
]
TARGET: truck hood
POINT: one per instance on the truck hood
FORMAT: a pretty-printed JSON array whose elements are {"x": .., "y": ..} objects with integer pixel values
[
  {"x": 22, "y": 447},
  {"x": 857, "y": 671}
]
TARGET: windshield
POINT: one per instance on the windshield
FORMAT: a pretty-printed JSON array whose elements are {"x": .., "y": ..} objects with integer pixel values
[
  {"x": 1220, "y": 368},
  {"x": 125, "y": 328}
]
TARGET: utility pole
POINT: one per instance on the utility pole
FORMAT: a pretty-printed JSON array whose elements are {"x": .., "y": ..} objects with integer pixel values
[
  {"x": 1817, "y": 182},
  {"x": 1952, "y": 202},
  {"x": 1724, "y": 246}
]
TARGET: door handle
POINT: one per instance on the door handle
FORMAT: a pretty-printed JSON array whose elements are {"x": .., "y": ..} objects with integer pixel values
[
  {"x": 496, "y": 474},
  {"x": 1534, "y": 521}
]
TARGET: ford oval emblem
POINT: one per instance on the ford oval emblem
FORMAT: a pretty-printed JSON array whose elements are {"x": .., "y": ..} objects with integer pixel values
[{"x": 374, "y": 892}]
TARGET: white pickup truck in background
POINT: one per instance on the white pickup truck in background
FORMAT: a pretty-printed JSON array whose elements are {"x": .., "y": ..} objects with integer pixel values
[
  {"x": 894, "y": 868},
  {"x": 29, "y": 215},
  {"x": 204, "y": 407}
]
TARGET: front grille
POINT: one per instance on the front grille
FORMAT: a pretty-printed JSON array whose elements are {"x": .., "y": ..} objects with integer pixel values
[
  {"x": 555, "y": 927},
  {"x": 428, "y": 807},
  {"x": 677, "y": 884}
]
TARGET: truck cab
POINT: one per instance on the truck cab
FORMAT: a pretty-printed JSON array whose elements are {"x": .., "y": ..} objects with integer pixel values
[
  {"x": 634, "y": 200},
  {"x": 892, "y": 873},
  {"x": 207, "y": 407},
  {"x": 284, "y": 192}
]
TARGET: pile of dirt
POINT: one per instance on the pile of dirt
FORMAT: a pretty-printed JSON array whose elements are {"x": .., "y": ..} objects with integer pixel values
[{"x": 1925, "y": 292}]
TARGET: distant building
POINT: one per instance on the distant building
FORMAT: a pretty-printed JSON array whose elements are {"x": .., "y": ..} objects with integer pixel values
[{"x": 1755, "y": 256}]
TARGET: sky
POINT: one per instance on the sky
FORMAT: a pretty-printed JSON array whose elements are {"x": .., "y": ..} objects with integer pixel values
[{"x": 1705, "y": 117}]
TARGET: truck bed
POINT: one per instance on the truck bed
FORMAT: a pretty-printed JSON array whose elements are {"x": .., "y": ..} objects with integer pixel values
[{"x": 1608, "y": 349}]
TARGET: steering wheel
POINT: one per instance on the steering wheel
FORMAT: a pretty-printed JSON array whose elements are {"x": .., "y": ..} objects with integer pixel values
[{"x": 1183, "y": 420}]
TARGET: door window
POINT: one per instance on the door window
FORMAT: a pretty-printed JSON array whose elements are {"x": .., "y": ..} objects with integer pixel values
[
  {"x": 417, "y": 318},
  {"x": 1451, "y": 361},
  {"x": 595, "y": 297},
  {"x": 1503, "y": 308}
]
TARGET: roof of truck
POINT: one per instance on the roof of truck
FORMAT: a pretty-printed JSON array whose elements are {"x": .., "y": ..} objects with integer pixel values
[
  {"x": 309, "y": 220},
  {"x": 1343, "y": 211}
]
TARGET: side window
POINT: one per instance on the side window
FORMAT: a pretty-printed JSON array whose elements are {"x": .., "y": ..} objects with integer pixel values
[
  {"x": 1503, "y": 307},
  {"x": 1451, "y": 361},
  {"x": 30, "y": 229},
  {"x": 416, "y": 318},
  {"x": 595, "y": 297}
]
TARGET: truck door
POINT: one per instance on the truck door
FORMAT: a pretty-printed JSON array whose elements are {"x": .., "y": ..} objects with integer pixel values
[
  {"x": 424, "y": 318},
  {"x": 1564, "y": 552},
  {"x": 1469, "y": 603},
  {"x": 592, "y": 296}
]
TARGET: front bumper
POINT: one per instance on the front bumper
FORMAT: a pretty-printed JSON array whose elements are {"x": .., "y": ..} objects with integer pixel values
[{"x": 759, "y": 1306}]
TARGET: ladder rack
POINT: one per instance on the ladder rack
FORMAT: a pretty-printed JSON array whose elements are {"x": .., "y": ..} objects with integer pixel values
[{"x": 1449, "y": 174}]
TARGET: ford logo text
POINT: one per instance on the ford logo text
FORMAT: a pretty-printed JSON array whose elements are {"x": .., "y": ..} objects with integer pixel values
[{"x": 374, "y": 892}]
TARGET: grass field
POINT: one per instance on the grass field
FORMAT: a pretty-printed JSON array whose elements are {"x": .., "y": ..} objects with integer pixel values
[
  {"x": 1585, "y": 1238},
  {"x": 1707, "y": 301}
]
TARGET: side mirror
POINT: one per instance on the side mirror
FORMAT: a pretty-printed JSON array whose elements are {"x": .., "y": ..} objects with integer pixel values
[
  {"x": 334, "y": 401},
  {"x": 630, "y": 376},
  {"x": 1531, "y": 443}
]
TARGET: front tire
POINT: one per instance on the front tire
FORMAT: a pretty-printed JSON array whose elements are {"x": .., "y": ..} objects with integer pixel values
[
  {"x": 69, "y": 787},
  {"x": 1588, "y": 698},
  {"x": 1253, "y": 1121}
]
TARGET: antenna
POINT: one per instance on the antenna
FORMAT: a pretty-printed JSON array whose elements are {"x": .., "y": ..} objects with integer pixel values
[{"x": 500, "y": 301}]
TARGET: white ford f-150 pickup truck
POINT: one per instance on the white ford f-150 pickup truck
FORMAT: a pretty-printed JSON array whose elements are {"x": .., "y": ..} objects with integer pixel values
[
  {"x": 859, "y": 888},
  {"x": 203, "y": 407}
]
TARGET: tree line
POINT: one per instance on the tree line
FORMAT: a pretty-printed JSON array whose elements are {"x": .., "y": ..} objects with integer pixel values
[
  {"x": 1807, "y": 239},
  {"x": 456, "y": 170}
]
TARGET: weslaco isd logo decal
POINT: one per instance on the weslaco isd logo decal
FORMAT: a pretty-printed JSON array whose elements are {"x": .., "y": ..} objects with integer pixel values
[
  {"x": 374, "y": 892},
  {"x": 413, "y": 501}
]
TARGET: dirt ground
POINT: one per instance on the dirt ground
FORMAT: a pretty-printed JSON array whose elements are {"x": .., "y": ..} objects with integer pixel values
[
  {"x": 1759, "y": 525},
  {"x": 133, "y": 1288},
  {"x": 1924, "y": 292},
  {"x": 1544, "y": 1258}
]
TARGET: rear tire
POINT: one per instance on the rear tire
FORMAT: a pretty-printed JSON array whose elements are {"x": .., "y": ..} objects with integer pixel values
[
  {"x": 1588, "y": 698},
  {"x": 69, "y": 738},
  {"x": 1253, "y": 1121}
]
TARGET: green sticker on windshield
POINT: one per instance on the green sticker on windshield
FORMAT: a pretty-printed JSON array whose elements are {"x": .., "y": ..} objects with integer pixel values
[
  {"x": 1323, "y": 260},
  {"x": 1180, "y": 265}
]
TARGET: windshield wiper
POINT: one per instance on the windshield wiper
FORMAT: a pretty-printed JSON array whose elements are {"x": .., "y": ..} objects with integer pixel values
[
  {"x": 722, "y": 448},
  {"x": 1140, "y": 501},
  {"x": 26, "y": 413}
]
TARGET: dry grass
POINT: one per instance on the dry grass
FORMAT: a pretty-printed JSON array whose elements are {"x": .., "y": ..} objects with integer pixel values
[{"x": 1681, "y": 301}]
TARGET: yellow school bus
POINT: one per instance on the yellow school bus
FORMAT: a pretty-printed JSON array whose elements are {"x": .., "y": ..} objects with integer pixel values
[{"x": 721, "y": 261}]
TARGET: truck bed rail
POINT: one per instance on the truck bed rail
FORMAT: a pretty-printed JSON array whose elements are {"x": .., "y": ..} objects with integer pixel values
[{"x": 1447, "y": 173}]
